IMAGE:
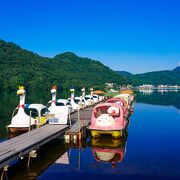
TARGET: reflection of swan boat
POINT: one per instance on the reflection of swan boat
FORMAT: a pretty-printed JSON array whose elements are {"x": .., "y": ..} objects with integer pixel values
[
  {"x": 109, "y": 150},
  {"x": 21, "y": 121},
  {"x": 108, "y": 118}
]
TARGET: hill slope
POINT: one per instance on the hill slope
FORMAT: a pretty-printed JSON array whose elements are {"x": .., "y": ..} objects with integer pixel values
[
  {"x": 124, "y": 73},
  {"x": 158, "y": 77},
  {"x": 19, "y": 66},
  {"x": 171, "y": 77},
  {"x": 177, "y": 69}
]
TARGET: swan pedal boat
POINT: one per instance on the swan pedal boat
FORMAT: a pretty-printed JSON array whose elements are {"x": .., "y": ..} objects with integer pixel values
[{"x": 21, "y": 121}]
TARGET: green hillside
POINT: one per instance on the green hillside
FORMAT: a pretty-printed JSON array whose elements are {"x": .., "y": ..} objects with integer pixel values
[
  {"x": 19, "y": 66},
  {"x": 171, "y": 77},
  {"x": 177, "y": 69},
  {"x": 124, "y": 73},
  {"x": 157, "y": 77}
]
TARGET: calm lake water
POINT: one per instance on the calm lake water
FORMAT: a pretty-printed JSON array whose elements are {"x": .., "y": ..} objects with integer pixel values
[{"x": 150, "y": 149}]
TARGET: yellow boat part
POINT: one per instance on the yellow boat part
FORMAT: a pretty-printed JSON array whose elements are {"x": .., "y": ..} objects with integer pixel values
[
  {"x": 107, "y": 142},
  {"x": 114, "y": 134},
  {"x": 43, "y": 120}
]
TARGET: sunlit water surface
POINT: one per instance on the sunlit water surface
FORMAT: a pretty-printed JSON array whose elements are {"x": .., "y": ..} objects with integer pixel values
[{"x": 149, "y": 150}]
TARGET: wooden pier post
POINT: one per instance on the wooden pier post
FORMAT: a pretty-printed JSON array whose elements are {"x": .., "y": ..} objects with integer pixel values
[
  {"x": 4, "y": 172},
  {"x": 32, "y": 154}
]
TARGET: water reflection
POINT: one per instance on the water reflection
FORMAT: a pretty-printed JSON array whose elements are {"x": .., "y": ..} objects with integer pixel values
[
  {"x": 163, "y": 97},
  {"x": 47, "y": 155},
  {"x": 153, "y": 134},
  {"x": 100, "y": 157},
  {"x": 109, "y": 150},
  {"x": 146, "y": 91}
]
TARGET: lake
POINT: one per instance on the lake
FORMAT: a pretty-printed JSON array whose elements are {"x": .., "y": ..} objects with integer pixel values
[{"x": 150, "y": 148}]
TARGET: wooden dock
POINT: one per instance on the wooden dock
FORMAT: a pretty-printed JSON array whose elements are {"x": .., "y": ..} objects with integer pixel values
[
  {"x": 19, "y": 146},
  {"x": 80, "y": 121},
  {"x": 26, "y": 143}
]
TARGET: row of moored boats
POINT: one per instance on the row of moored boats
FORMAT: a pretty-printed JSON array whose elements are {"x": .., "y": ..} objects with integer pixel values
[
  {"x": 28, "y": 116},
  {"x": 112, "y": 117}
]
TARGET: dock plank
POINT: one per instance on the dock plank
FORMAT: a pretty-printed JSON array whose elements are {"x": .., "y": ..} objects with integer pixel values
[
  {"x": 85, "y": 118},
  {"x": 19, "y": 146},
  {"x": 24, "y": 138}
]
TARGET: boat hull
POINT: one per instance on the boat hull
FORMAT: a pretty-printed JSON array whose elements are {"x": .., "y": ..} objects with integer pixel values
[
  {"x": 20, "y": 129},
  {"x": 113, "y": 133}
]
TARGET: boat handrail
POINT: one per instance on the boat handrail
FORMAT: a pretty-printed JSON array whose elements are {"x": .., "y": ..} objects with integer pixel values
[
  {"x": 48, "y": 103},
  {"x": 14, "y": 112}
]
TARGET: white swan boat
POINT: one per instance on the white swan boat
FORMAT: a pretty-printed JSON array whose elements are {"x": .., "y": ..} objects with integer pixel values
[
  {"x": 75, "y": 102},
  {"x": 21, "y": 121},
  {"x": 65, "y": 102},
  {"x": 85, "y": 100},
  {"x": 57, "y": 114}
]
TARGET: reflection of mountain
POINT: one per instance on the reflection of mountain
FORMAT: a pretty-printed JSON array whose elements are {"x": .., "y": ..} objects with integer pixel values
[
  {"x": 106, "y": 149},
  {"x": 157, "y": 98}
]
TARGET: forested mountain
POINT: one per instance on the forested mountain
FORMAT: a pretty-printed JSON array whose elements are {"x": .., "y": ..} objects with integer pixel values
[
  {"x": 171, "y": 77},
  {"x": 158, "y": 77},
  {"x": 21, "y": 67},
  {"x": 124, "y": 73},
  {"x": 177, "y": 69}
]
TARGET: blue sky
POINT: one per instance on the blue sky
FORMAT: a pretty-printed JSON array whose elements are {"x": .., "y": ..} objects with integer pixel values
[{"x": 133, "y": 35}]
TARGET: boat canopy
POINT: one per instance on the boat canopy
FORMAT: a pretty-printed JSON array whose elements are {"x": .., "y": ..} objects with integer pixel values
[
  {"x": 64, "y": 101},
  {"x": 39, "y": 107},
  {"x": 107, "y": 108}
]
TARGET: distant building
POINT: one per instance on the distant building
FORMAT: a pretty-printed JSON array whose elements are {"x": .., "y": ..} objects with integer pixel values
[
  {"x": 146, "y": 86},
  {"x": 162, "y": 86},
  {"x": 110, "y": 85}
]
